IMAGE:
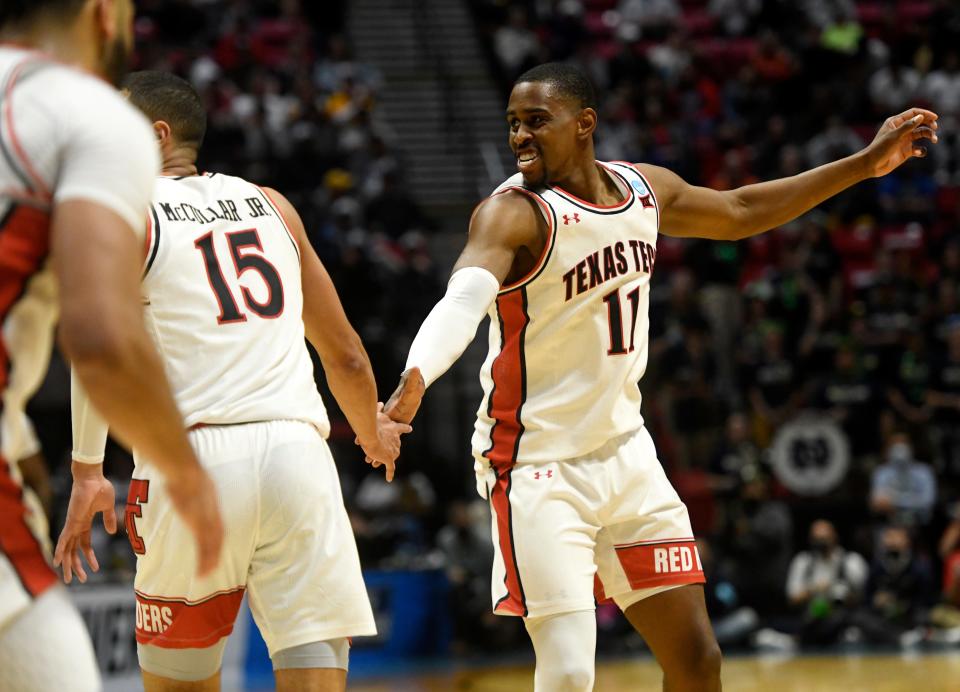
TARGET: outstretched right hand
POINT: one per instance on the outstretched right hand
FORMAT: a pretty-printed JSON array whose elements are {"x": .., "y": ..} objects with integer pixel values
[
  {"x": 194, "y": 498},
  {"x": 404, "y": 403}
]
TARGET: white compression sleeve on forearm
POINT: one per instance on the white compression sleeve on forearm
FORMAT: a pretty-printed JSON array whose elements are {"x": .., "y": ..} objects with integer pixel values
[
  {"x": 453, "y": 322},
  {"x": 89, "y": 427}
]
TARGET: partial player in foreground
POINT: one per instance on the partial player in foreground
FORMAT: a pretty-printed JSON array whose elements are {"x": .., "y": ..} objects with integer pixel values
[
  {"x": 560, "y": 256},
  {"x": 77, "y": 167},
  {"x": 231, "y": 287}
]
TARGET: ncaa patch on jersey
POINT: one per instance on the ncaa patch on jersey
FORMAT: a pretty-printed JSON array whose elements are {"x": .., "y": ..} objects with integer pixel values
[{"x": 641, "y": 189}]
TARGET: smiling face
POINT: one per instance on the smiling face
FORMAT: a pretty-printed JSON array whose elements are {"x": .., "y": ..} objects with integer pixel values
[{"x": 550, "y": 134}]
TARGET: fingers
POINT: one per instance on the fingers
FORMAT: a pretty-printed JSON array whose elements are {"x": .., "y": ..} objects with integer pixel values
[
  {"x": 110, "y": 520},
  {"x": 391, "y": 468},
  {"x": 88, "y": 553}
]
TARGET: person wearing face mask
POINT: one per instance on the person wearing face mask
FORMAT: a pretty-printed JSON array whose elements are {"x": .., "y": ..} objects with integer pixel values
[
  {"x": 826, "y": 582},
  {"x": 900, "y": 589},
  {"x": 903, "y": 490}
]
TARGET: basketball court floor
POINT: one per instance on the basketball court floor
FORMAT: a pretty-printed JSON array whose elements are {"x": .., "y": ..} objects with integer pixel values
[{"x": 858, "y": 673}]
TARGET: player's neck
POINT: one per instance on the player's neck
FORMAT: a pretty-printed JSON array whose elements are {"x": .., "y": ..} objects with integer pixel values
[
  {"x": 590, "y": 183},
  {"x": 179, "y": 163}
]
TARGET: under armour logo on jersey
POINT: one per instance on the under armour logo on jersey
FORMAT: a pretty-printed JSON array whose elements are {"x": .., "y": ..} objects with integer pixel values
[
  {"x": 543, "y": 474},
  {"x": 567, "y": 219}
]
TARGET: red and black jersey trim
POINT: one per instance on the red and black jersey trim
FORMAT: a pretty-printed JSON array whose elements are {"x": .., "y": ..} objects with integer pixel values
[
  {"x": 505, "y": 407},
  {"x": 550, "y": 216},
  {"x": 154, "y": 239},
  {"x": 17, "y": 541},
  {"x": 653, "y": 195},
  {"x": 619, "y": 208}
]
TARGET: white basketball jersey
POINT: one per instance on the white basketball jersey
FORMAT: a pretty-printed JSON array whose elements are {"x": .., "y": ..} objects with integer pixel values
[
  {"x": 65, "y": 135},
  {"x": 568, "y": 343},
  {"x": 224, "y": 303}
]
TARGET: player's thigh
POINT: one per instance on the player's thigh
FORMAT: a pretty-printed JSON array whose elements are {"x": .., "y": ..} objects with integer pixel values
[
  {"x": 47, "y": 647},
  {"x": 305, "y": 581},
  {"x": 176, "y": 609},
  {"x": 646, "y": 545},
  {"x": 543, "y": 533}
]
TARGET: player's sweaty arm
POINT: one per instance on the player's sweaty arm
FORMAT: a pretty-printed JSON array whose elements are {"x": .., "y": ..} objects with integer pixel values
[
  {"x": 345, "y": 361},
  {"x": 690, "y": 211},
  {"x": 97, "y": 260},
  {"x": 506, "y": 235}
]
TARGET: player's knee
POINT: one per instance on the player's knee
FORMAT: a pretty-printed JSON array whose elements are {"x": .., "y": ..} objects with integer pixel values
[
  {"x": 571, "y": 676},
  {"x": 704, "y": 660}
]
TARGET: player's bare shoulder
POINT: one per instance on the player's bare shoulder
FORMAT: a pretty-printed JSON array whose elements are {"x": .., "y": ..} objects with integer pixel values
[{"x": 510, "y": 218}]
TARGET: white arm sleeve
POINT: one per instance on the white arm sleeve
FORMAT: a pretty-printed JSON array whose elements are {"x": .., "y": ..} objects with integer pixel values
[
  {"x": 89, "y": 427},
  {"x": 453, "y": 322}
]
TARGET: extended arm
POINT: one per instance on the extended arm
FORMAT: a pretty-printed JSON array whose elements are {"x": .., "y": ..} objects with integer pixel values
[
  {"x": 502, "y": 228},
  {"x": 691, "y": 211},
  {"x": 341, "y": 352}
]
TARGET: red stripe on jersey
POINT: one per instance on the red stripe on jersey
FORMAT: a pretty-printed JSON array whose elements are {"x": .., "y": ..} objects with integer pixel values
[
  {"x": 547, "y": 247},
  {"x": 177, "y": 623},
  {"x": 509, "y": 381},
  {"x": 17, "y": 541},
  {"x": 514, "y": 602},
  {"x": 21, "y": 154},
  {"x": 663, "y": 564},
  {"x": 24, "y": 244}
]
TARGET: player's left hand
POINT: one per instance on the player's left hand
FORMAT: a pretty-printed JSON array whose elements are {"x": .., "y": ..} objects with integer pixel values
[
  {"x": 91, "y": 493},
  {"x": 899, "y": 140}
]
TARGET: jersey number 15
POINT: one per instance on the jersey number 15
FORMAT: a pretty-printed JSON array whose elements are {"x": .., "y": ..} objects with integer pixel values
[{"x": 255, "y": 261}]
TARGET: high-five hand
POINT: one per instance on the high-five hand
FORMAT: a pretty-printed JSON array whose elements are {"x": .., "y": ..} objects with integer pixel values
[
  {"x": 384, "y": 450},
  {"x": 403, "y": 404}
]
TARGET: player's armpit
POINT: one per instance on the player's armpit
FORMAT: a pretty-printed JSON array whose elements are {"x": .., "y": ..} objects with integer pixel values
[{"x": 507, "y": 235}]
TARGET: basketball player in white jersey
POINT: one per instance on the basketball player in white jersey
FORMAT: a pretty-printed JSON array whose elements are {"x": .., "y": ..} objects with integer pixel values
[
  {"x": 231, "y": 287},
  {"x": 77, "y": 166},
  {"x": 561, "y": 256}
]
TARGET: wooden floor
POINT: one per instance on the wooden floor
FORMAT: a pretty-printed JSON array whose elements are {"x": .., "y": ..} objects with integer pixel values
[{"x": 868, "y": 673}]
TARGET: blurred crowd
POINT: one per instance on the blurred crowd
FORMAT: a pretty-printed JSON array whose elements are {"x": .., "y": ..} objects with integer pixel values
[{"x": 803, "y": 386}]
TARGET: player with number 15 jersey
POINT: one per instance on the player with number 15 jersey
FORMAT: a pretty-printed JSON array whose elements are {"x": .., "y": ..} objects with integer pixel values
[{"x": 231, "y": 288}]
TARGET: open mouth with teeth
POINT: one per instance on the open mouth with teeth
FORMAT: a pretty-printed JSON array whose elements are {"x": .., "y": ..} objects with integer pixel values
[{"x": 527, "y": 159}]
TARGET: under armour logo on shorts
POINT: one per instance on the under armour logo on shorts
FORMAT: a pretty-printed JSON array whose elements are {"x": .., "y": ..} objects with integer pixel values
[
  {"x": 543, "y": 474},
  {"x": 567, "y": 218}
]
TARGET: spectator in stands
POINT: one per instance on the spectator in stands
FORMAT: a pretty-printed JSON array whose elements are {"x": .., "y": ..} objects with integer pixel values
[
  {"x": 758, "y": 542},
  {"x": 943, "y": 397},
  {"x": 650, "y": 19},
  {"x": 772, "y": 382},
  {"x": 892, "y": 86},
  {"x": 514, "y": 42},
  {"x": 737, "y": 456},
  {"x": 825, "y": 582},
  {"x": 903, "y": 490},
  {"x": 737, "y": 17},
  {"x": 849, "y": 396},
  {"x": 900, "y": 590}
]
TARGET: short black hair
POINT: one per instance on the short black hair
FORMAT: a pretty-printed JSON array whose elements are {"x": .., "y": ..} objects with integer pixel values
[
  {"x": 569, "y": 79},
  {"x": 15, "y": 11},
  {"x": 167, "y": 97}
]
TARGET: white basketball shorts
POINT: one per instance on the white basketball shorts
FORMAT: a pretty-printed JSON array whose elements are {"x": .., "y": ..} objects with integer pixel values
[
  {"x": 605, "y": 525},
  {"x": 288, "y": 544}
]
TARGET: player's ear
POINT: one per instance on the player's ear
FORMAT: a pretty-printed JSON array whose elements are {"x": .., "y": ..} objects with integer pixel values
[
  {"x": 105, "y": 15},
  {"x": 162, "y": 130},
  {"x": 586, "y": 123}
]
